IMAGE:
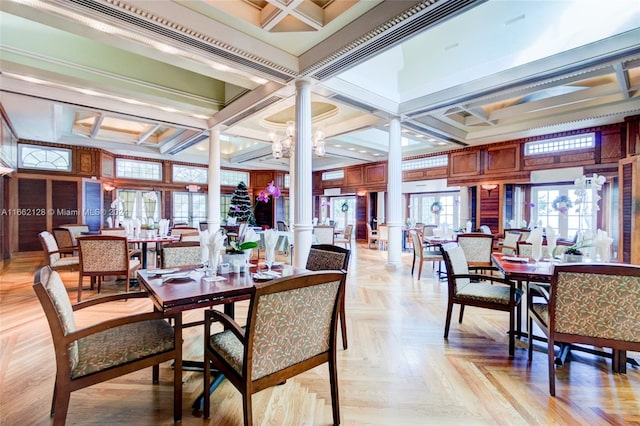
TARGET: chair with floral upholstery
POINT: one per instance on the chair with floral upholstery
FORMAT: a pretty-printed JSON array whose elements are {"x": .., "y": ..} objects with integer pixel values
[
  {"x": 105, "y": 255},
  {"x": 509, "y": 244},
  {"x": 346, "y": 237},
  {"x": 422, "y": 254},
  {"x": 328, "y": 257},
  {"x": 66, "y": 243},
  {"x": 324, "y": 234},
  {"x": 483, "y": 294},
  {"x": 53, "y": 255},
  {"x": 593, "y": 304},
  {"x": 291, "y": 328},
  {"x": 108, "y": 349},
  {"x": 477, "y": 248},
  {"x": 187, "y": 253}
]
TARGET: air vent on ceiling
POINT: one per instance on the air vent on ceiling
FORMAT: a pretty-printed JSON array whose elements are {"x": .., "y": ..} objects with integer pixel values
[
  {"x": 408, "y": 26},
  {"x": 188, "y": 143},
  {"x": 284, "y": 75},
  {"x": 249, "y": 112}
]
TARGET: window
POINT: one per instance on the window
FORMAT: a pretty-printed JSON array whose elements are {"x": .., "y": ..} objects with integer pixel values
[
  {"x": 560, "y": 144},
  {"x": 136, "y": 169},
  {"x": 143, "y": 205},
  {"x": 425, "y": 163},
  {"x": 341, "y": 217},
  {"x": 564, "y": 217},
  {"x": 233, "y": 177},
  {"x": 189, "y": 207},
  {"x": 287, "y": 180},
  {"x": 189, "y": 174},
  {"x": 44, "y": 158},
  {"x": 336, "y": 174},
  {"x": 420, "y": 209}
]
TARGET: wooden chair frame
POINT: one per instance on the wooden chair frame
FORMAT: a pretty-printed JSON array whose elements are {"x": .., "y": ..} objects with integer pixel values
[
  {"x": 421, "y": 254},
  {"x": 243, "y": 381}
]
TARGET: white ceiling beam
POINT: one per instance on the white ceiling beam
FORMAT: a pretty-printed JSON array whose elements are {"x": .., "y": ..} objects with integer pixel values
[{"x": 622, "y": 76}]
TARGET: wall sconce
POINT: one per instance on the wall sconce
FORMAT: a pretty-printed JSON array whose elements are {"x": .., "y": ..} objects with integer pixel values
[
  {"x": 108, "y": 187},
  {"x": 489, "y": 187},
  {"x": 5, "y": 170},
  {"x": 361, "y": 193}
]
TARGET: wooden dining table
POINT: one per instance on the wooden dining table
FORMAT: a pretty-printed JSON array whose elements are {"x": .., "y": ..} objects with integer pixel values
[
  {"x": 526, "y": 270},
  {"x": 194, "y": 291}
]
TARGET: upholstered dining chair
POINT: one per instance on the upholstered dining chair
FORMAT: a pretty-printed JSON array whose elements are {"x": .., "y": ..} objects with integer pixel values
[
  {"x": 66, "y": 243},
  {"x": 324, "y": 234},
  {"x": 108, "y": 349},
  {"x": 509, "y": 244},
  {"x": 372, "y": 235},
  {"x": 383, "y": 236},
  {"x": 346, "y": 237},
  {"x": 505, "y": 296},
  {"x": 105, "y": 255},
  {"x": 187, "y": 253},
  {"x": 291, "y": 328},
  {"x": 594, "y": 304},
  {"x": 422, "y": 254},
  {"x": 53, "y": 256},
  {"x": 477, "y": 248},
  {"x": 183, "y": 230},
  {"x": 328, "y": 257}
]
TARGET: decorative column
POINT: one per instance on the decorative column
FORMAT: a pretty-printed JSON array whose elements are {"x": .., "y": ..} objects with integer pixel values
[
  {"x": 394, "y": 191},
  {"x": 302, "y": 178},
  {"x": 213, "y": 180}
]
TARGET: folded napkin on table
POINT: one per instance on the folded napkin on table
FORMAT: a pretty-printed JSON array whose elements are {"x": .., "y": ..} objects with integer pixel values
[
  {"x": 109, "y": 222},
  {"x": 204, "y": 251},
  {"x": 163, "y": 227},
  {"x": 602, "y": 242},
  {"x": 137, "y": 225},
  {"x": 270, "y": 241},
  {"x": 535, "y": 239},
  {"x": 215, "y": 243},
  {"x": 552, "y": 237}
]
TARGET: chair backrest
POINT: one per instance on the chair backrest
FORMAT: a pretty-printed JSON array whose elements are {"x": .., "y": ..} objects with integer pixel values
[
  {"x": 76, "y": 229},
  {"x": 64, "y": 238},
  {"x": 456, "y": 264},
  {"x": 598, "y": 301},
  {"x": 301, "y": 310},
  {"x": 477, "y": 248},
  {"x": 183, "y": 230},
  {"x": 525, "y": 249},
  {"x": 328, "y": 257},
  {"x": 57, "y": 307},
  {"x": 190, "y": 237},
  {"x": 416, "y": 241},
  {"x": 103, "y": 254},
  {"x": 49, "y": 246},
  {"x": 203, "y": 226},
  {"x": 324, "y": 234},
  {"x": 348, "y": 232},
  {"x": 383, "y": 232},
  {"x": 485, "y": 229},
  {"x": 510, "y": 242},
  {"x": 428, "y": 230},
  {"x": 281, "y": 226},
  {"x": 187, "y": 253}
]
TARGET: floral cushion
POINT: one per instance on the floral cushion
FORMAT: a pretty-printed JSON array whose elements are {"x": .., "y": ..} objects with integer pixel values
[
  {"x": 229, "y": 347},
  {"x": 181, "y": 256},
  {"x": 604, "y": 306},
  {"x": 542, "y": 312},
  {"x": 65, "y": 261},
  {"x": 50, "y": 246},
  {"x": 94, "y": 259},
  {"x": 476, "y": 249},
  {"x": 319, "y": 260},
  {"x": 120, "y": 345},
  {"x": 459, "y": 266},
  {"x": 58, "y": 293}
]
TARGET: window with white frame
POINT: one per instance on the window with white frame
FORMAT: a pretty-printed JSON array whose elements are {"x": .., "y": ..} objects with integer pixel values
[
  {"x": 143, "y": 205},
  {"x": 425, "y": 163},
  {"x": 422, "y": 209},
  {"x": 546, "y": 146},
  {"x": 44, "y": 157},
  {"x": 137, "y": 169},
  {"x": 189, "y": 174},
  {"x": 557, "y": 206},
  {"x": 233, "y": 177},
  {"x": 336, "y": 174}
]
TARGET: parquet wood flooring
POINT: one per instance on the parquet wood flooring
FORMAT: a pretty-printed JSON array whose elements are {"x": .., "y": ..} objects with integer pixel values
[{"x": 398, "y": 370}]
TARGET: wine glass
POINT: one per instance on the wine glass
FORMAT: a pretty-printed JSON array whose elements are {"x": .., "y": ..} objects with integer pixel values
[
  {"x": 536, "y": 253},
  {"x": 269, "y": 258}
]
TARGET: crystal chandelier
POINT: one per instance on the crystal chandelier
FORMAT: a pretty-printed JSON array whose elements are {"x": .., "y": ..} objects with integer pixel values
[{"x": 283, "y": 146}]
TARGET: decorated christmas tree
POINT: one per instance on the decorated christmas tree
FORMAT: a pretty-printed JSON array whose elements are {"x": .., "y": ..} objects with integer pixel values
[{"x": 240, "y": 207}]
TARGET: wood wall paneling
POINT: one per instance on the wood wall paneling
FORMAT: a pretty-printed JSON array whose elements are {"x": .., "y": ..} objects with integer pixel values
[
  {"x": 360, "y": 228},
  {"x": 260, "y": 180},
  {"x": 489, "y": 209},
  {"x": 611, "y": 145},
  {"x": 465, "y": 163},
  {"x": 107, "y": 165},
  {"x": 375, "y": 173},
  {"x": 64, "y": 202},
  {"x": 629, "y": 176},
  {"x": 353, "y": 176},
  {"x": 32, "y": 201},
  {"x": 503, "y": 159}
]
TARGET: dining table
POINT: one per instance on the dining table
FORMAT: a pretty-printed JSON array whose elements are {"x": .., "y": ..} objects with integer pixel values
[
  {"x": 525, "y": 270},
  {"x": 145, "y": 238},
  {"x": 178, "y": 290}
]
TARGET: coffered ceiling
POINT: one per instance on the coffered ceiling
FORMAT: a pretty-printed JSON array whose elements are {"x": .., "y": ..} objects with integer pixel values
[{"x": 151, "y": 78}]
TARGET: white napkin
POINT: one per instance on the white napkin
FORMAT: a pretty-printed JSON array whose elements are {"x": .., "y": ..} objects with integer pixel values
[
  {"x": 552, "y": 237},
  {"x": 126, "y": 224},
  {"x": 136, "y": 226},
  {"x": 270, "y": 240},
  {"x": 535, "y": 239},
  {"x": 163, "y": 227},
  {"x": 214, "y": 245},
  {"x": 109, "y": 222},
  {"x": 204, "y": 250},
  {"x": 602, "y": 242},
  {"x": 250, "y": 235},
  {"x": 469, "y": 226}
]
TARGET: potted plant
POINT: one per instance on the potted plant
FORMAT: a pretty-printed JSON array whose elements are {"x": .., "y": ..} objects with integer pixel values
[{"x": 572, "y": 255}]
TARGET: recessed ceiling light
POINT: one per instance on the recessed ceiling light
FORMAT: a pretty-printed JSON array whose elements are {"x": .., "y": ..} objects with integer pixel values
[
  {"x": 362, "y": 151},
  {"x": 338, "y": 145},
  {"x": 442, "y": 143},
  {"x": 352, "y": 149}
]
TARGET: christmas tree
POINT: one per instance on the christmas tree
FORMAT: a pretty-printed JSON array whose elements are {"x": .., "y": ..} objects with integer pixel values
[{"x": 240, "y": 207}]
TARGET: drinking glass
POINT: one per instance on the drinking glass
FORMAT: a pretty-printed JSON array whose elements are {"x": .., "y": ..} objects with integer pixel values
[
  {"x": 536, "y": 253},
  {"x": 269, "y": 258}
]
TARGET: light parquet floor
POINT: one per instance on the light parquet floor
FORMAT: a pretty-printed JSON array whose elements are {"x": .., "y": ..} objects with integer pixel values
[{"x": 398, "y": 369}]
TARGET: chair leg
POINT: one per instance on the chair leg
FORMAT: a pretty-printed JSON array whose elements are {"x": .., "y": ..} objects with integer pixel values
[
  {"x": 343, "y": 323},
  {"x": 512, "y": 333},
  {"x": 530, "y": 339},
  {"x": 246, "y": 407},
  {"x": 80, "y": 288},
  {"x": 420, "y": 269},
  {"x": 552, "y": 365},
  {"x": 62, "y": 406},
  {"x": 447, "y": 322},
  {"x": 461, "y": 314},
  {"x": 53, "y": 399},
  {"x": 413, "y": 264},
  {"x": 207, "y": 380},
  {"x": 177, "y": 385},
  {"x": 335, "y": 400}
]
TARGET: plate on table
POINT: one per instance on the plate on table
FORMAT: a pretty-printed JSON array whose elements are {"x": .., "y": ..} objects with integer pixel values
[
  {"x": 260, "y": 278},
  {"x": 162, "y": 271},
  {"x": 277, "y": 264},
  {"x": 516, "y": 259}
]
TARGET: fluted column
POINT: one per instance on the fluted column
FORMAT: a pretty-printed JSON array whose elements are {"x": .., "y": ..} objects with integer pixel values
[
  {"x": 302, "y": 185},
  {"x": 394, "y": 191},
  {"x": 213, "y": 180}
]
